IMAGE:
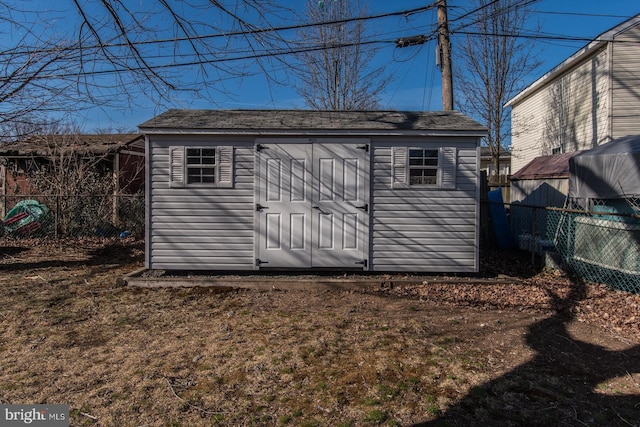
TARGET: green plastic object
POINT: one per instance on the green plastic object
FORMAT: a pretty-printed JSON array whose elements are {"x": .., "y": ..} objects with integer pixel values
[{"x": 25, "y": 217}]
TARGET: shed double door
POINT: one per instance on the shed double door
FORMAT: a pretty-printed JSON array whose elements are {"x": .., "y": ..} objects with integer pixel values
[{"x": 312, "y": 205}]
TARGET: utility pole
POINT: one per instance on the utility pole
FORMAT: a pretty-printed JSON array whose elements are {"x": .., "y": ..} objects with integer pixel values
[{"x": 444, "y": 50}]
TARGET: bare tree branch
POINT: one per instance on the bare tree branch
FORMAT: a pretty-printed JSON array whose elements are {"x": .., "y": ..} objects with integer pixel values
[
  {"x": 117, "y": 53},
  {"x": 492, "y": 66},
  {"x": 338, "y": 75}
]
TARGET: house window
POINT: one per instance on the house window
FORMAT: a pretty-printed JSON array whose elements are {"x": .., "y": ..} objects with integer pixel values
[
  {"x": 423, "y": 167},
  {"x": 201, "y": 165}
]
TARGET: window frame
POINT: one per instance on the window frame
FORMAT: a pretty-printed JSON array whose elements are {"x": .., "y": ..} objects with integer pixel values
[
  {"x": 446, "y": 169},
  {"x": 201, "y": 167},
  {"x": 424, "y": 167},
  {"x": 223, "y": 173}
]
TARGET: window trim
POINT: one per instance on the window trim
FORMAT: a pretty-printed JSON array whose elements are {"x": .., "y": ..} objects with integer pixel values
[
  {"x": 446, "y": 170},
  {"x": 223, "y": 167},
  {"x": 425, "y": 167},
  {"x": 201, "y": 167}
]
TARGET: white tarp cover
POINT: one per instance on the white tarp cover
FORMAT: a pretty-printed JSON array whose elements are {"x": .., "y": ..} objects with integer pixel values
[{"x": 609, "y": 171}]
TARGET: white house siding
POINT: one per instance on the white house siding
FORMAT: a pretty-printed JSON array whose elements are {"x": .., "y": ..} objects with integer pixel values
[
  {"x": 431, "y": 230},
  {"x": 201, "y": 228},
  {"x": 571, "y": 110},
  {"x": 626, "y": 83}
]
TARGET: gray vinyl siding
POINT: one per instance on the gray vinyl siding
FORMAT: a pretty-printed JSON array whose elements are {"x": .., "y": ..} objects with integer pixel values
[
  {"x": 201, "y": 228},
  {"x": 423, "y": 229},
  {"x": 626, "y": 83},
  {"x": 411, "y": 229}
]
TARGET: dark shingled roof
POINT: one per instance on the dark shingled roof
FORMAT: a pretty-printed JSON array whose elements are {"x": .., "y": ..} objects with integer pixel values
[
  {"x": 554, "y": 166},
  {"x": 40, "y": 145},
  {"x": 297, "y": 120}
]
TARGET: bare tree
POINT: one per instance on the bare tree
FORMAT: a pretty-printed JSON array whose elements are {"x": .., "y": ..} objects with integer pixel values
[
  {"x": 116, "y": 53},
  {"x": 492, "y": 64},
  {"x": 77, "y": 179},
  {"x": 335, "y": 73}
]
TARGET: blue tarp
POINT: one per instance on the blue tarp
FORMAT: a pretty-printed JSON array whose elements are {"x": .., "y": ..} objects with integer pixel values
[{"x": 499, "y": 220}]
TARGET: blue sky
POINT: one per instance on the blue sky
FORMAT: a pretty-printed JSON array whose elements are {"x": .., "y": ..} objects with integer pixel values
[{"x": 415, "y": 83}]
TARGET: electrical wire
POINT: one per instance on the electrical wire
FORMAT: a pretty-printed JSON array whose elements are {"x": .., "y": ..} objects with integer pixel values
[
  {"x": 249, "y": 54},
  {"x": 227, "y": 35}
]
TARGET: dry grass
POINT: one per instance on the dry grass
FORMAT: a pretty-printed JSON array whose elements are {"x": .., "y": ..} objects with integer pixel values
[{"x": 168, "y": 357}]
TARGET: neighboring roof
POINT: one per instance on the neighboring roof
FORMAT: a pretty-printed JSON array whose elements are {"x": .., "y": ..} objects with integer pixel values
[
  {"x": 587, "y": 50},
  {"x": 554, "y": 166},
  {"x": 308, "y": 121},
  {"x": 81, "y": 143}
]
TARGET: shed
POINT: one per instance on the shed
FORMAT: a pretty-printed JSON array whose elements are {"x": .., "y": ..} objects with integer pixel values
[
  {"x": 299, "y": 189},
  {"x": 544, "y": 181},
  {"x": 117, "y": 157},
  {"x": 121, "y": 154}
]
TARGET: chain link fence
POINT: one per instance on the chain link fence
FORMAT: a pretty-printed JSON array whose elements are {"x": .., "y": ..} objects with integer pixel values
[
  {"x": 603, "y": 248},
  {"x": 599, "y": 244},
  {"x": 72, "y": 216}
]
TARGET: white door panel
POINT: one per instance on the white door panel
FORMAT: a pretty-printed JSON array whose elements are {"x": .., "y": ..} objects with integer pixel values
[
  {"x": 283, "y": 210},
  {"x": 312, "y": 205},
  {"x": 340, "y": 218}
]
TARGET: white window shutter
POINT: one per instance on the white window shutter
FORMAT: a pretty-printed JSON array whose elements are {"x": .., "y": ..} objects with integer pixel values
[
  {"x": 448, "y": 167},
  {"x": 399, "y": 167},
  {"x": 176, "y": 167},
  {"x": 225, "y": 166}
]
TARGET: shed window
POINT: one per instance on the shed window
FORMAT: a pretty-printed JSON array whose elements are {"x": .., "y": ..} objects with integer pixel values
[
  {"x": 201, "y": 166},
  {"x": 423, "y": 167},
  {"x": 429, "y": 168}
]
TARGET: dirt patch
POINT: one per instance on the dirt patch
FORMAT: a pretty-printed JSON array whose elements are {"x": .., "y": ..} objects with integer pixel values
[{"x": 540, "y": 350}]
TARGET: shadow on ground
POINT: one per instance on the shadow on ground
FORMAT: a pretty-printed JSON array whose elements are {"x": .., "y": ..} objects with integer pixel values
[
  {"x": 562, "y": 385},
  {"x": 111, "y": 253}
]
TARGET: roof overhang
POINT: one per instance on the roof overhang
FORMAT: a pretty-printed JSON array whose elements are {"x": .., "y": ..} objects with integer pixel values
[
  {"x": 310, "y": 123},
  {"x": 309, "y": 133}
]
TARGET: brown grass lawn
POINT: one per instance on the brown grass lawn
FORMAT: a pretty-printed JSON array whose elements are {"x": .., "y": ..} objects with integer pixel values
[{"x": 542, "y": 350}]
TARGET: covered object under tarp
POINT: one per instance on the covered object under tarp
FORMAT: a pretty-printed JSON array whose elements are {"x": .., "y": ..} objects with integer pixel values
[
  {"x": 610, "y": 171},
  {"x": 603, "y": 243}
]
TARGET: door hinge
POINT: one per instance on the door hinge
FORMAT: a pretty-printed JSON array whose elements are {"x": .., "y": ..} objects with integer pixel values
[
  {"x": 259, "y": 262},
  {"x": 364, "y": 208},
  {"x": 364, "y": 147},
  {"x": 260, "y": 147},
  {"x": 259, "y": 207},
  {"x": 363, "y": 263}
]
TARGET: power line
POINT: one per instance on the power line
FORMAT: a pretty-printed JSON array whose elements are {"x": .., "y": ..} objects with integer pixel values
[
  {"x": 599, "y": 15},
  {"x": 544, "y": 37},
  {"x": 256, "y": 31},
  {"x": 494, "y": 13},
  {"x": 202, "y": 62},
  {"x": 291, "y": 51}
]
